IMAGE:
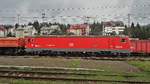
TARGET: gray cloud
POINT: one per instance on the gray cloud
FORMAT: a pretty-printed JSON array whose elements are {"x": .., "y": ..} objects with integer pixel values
[{"x": 34, "y": 8}]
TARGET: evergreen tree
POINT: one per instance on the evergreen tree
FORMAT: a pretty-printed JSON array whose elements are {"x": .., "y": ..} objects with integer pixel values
[
  {"x": 16, "y": 25},
  {"x": 36, "y": 25},
  {"x": 132, "y": 25},
  {"x": 126, "y": 30},
  {"x": 138, "y": 31},
  {"x": 63, "y": 28},
  {"x": 30, "y": 24},
  {"x": 96, "y": 29},
  {"x": 132, "y": 31}
]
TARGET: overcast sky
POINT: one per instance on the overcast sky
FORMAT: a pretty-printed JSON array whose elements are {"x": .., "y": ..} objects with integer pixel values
[{"x": 102, "y": 10}]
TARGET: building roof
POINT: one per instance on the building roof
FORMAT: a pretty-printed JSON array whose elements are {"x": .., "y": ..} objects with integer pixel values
[
  {"x": 90, "y": 36},
  {"x": 113, "y": 23},
  {"x": 79, "y": 26},
  {"x": 2, "y": 28}
]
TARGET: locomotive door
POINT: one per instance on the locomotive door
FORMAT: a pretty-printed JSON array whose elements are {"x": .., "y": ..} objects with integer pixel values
[
  {"x": 111, "y": 43},
  {"x": 115, "y": 43}
]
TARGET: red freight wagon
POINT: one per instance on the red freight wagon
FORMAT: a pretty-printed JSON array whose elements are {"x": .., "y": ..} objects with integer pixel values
[
  {"x": 140, "y": 46},
  {"x": 11, "y": 42},
  {"x": 11, "y": 45},
  {"x": 79, "y": 44}
]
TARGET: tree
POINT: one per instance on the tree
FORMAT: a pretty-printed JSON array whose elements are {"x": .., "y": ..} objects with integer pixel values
[
  {"x": 44, "y": 24},
  {"x": 113, "y": 33},
  {"x": 96, "y": 28},
  {"x": 56, "y": 32},
  {"x": 126, "y": 30},
  {"x": 132, "y": 25},
  {"x": 16, "y": 25},
  {"x": 63, "y": 28},
  {"x": 7, "y": 27},
  {"x": 9, "y": 34},
  {"x": 30, "y": 24},
  {"x": 132, "y": 31},
  {"x": 36, "y": 25},
  {"x": 141, "y": 32},
  {"x": 70, "y": 33},
  {"x": 138, "y": 31}
]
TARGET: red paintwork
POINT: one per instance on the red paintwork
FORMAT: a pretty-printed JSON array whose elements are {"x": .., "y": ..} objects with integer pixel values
[
  {"x": 12, "y": 42},
  {"x": 97, "y": 43},
  {"x": 140, "y": 46}
]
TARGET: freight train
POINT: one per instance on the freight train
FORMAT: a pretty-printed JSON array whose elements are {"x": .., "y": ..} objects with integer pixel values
[{"x": 74, "y": 45}]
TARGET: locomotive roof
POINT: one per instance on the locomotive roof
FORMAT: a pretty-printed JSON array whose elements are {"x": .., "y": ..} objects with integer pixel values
[{"x": 72, "y": 36}]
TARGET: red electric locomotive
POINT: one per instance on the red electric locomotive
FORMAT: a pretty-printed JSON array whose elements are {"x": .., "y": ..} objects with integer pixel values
[{"x": 78, "y": 44}]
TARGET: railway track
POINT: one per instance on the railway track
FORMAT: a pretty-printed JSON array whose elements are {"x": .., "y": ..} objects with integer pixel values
[
  {"x": 120, "y": 59},
  {"x": 133, "y": 58},
  {"x": 30, "y": 75},
  {"x": 71, "y": 79}
]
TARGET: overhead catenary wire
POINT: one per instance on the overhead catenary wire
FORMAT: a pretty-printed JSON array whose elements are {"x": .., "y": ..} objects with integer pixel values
[
  {"x": 45, "y": 15},
  {"x": 75, "y": 8}
]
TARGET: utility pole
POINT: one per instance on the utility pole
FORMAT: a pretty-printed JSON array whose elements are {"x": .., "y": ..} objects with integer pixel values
[
  {"x": 18, "y": 18},
  {"x": 129, "y": 27},
  {"x": 87, "y": 19},
  {"x": 43, "y": 17},
  {"x": 129, "y": 20}
]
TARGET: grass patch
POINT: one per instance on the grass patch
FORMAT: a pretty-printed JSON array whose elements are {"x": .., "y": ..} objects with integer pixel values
[
  {"x": 142, "y": 65},
  {"x": 104, "y": 74},
  {"x": 75, "y": 63},
  {"x": 21, "y": 81}
]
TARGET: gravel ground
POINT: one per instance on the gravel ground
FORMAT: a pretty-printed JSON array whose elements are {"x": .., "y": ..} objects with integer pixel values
[{"x": 113, "y": 66}]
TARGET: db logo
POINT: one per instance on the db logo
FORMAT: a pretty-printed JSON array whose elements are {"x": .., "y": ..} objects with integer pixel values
[{"x": 71, "y": 44}]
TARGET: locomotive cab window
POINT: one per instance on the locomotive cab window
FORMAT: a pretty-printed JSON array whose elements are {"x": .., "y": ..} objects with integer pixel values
[{"x": 123, "y": 40}]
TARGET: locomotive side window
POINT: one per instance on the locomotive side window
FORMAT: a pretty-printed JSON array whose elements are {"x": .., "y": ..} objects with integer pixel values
[{"x": 123, "y": 40}]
